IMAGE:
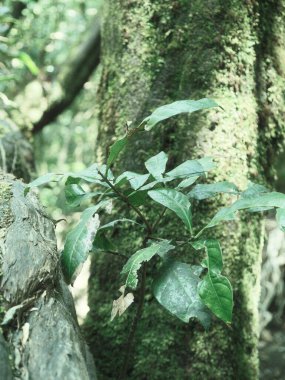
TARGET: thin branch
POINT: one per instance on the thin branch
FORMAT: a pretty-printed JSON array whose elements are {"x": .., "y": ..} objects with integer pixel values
[
  {"x": 125, "y": 199},
  {"x": 130, "y": 340},
  {"x": 81, "y": 69}
]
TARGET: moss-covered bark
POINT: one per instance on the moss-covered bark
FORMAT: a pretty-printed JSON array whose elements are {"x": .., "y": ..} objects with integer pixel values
[{"x": 156, "y": 52}]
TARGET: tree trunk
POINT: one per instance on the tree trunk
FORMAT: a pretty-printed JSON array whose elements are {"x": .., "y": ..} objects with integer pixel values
[
  {"x": 155, "y": 52},
  {"x": 42, "y": 337}
]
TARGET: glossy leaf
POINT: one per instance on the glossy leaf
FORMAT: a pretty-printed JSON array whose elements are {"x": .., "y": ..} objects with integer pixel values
[
  {"x": 205, "y": 191},
  {"x": 79, "y": 242},
  {"x": 176, "y": 108},
  {"x": 175, "y": 201},
  {"x": 135, "y": 261},
  {"x": 175, "y": 288},
  {"x": 116, "y": 149},
  {"x": 156, "y": 165},
  {"x": 216, "y": 292}
]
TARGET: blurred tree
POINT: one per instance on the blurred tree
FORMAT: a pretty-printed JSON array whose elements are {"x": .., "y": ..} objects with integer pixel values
[{"x": 155, "y": 52}]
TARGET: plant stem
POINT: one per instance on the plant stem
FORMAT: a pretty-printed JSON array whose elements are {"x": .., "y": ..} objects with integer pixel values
[
  {"x": 117, "y": 254},
  {"x": 135, "y": 322},
  {"x": 125, "y": 199}
]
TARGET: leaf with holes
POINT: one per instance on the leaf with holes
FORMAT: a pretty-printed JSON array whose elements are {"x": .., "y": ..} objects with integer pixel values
[{"x": 135, "y": 261}]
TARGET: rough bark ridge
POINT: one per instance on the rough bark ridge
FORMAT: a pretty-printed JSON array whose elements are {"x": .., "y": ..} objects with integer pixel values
[
  {"x": 42, "y": 337},
  {"x": 153, "y": 53}
]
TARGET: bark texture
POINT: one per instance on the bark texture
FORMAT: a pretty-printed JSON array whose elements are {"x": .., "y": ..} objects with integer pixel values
[
  {"x": 42, "y": 337},
  {"x": 155, "y": 52}
]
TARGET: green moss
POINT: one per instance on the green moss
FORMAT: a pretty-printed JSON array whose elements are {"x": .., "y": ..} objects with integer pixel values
[{"x": 157, "y": 52}]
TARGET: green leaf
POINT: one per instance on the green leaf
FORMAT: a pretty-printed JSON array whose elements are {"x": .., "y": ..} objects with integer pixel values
[
  {"x": 92, "y": 175},
  {"x": 210, "y": 190},
  {"x": 187, "y": 182},
  {"x": 79, "y": 242},
  {"x": 136, "y": 180},
  {"x": 165, "y": 247},
  {"x": 138, "y": 198},
  {"x": 135, "y": 261},
  {"x": 175, "y": 288},
  {"x": 260, "y": 202},
  {"x": 191, "y": 168},
  {"x": 175, "y": 201},
  {"x": 29, "y": 63},
  {"x": 75, "y": 194},
  {"x": 156, "y": 165},
  {"x": 102, "y": 243},
  {"x": 176, "y": 108},
  {"x": 123, "y": 220},
  {"x": 253, "y": 189},
  {"x": 43, "y": 180},
  {"x": 214, "y": 260},
  {"x": 116, "y": 149},
  {"x": 280, "y": 217},
  {"x": 216, "y": 292}
]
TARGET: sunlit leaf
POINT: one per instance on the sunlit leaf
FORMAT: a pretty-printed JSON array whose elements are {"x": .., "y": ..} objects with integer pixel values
[
  {"x": 175, "y": 288},
  {"x": 191, "y": 168},
  {"x": 175, "y": 201},
  {"x": 156, "y": 165},
  {"x": 187, "y": 182},
  {"x": 136, "y": 180},
  {"x": 176, "y": 108},
  {"x": 204, "y": 191}
]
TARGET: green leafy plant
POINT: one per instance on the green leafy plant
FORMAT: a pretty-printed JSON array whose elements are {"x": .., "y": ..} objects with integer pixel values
[{"x": 186, "y": 291}]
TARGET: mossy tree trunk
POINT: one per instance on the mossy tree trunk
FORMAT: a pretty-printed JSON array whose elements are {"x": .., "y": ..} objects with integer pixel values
[{"x": 155, "y": 52}]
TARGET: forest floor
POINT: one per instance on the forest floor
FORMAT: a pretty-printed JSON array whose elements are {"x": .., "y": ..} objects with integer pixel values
[{"x": 272, "y": 354}]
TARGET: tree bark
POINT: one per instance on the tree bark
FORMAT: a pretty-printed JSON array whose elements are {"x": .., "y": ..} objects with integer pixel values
[
  {"x": 42, "y": 337},
  {"x": 155, "y": 52}
]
